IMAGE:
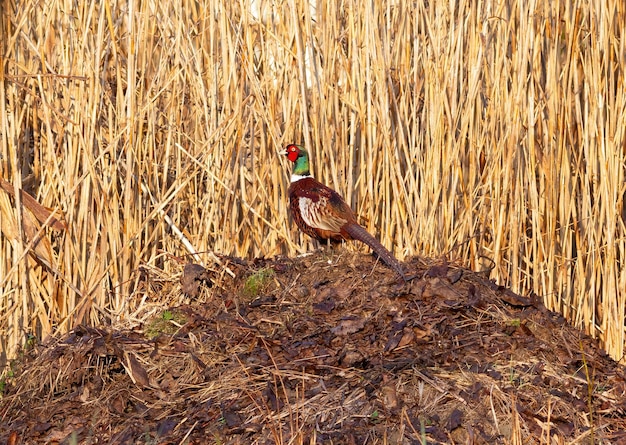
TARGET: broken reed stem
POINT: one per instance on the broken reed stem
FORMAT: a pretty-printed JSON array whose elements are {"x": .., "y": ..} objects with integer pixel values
[{"x": 467, "y": 129}]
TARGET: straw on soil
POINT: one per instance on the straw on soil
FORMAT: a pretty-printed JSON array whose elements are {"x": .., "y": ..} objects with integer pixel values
[{"x": 331, "y": 352}]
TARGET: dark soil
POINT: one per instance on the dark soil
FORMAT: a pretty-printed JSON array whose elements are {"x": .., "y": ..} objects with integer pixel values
[{"x": 327, "y": 350}]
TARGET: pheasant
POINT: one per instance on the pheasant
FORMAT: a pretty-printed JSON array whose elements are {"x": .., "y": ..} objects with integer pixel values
[{"x": 322, "y": 213}]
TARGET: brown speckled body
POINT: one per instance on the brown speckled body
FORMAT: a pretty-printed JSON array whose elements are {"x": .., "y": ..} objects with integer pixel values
[{"x": 321, "y": 213}]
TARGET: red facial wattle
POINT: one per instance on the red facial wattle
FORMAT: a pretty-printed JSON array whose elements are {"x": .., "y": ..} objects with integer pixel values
[{"x": 292, "y": 153}]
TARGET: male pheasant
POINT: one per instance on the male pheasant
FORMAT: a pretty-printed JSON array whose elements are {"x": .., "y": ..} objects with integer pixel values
[{"x": 322, "y": 213}]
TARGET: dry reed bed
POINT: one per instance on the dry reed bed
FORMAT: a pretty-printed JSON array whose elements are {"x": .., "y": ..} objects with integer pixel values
[{"x": 485, "y": 131}]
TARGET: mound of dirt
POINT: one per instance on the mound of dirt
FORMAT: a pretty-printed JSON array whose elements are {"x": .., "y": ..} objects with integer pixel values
[{"x": 328, "y": 349}]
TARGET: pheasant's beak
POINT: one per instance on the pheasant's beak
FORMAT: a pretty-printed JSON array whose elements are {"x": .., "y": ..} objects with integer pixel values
[{"x": 283, "y": 152}]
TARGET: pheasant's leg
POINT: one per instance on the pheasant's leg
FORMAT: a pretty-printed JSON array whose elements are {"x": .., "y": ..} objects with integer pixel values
[{"x": 328, "y": 251}]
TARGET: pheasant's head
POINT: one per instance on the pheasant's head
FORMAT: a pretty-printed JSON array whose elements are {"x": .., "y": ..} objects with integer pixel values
[{"x": 298, "y": 155}]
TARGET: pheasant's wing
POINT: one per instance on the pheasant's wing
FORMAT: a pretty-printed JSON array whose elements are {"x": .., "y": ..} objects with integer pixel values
[
  {"x": 317, "y": 214},
  {"x": 324, "y": 209}
]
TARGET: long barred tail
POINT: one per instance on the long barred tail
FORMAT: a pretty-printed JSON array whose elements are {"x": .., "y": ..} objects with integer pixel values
[{"x": 359, "y": 233}]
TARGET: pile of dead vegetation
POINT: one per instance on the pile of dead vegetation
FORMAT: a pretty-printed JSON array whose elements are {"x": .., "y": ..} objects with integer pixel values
[{"x": 323, "y": 350}]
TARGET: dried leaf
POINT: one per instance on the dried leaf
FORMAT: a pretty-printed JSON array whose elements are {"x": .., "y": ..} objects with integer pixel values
[
  {"x": 422, "y": 331},
  {"x": 455, "y": 420},
  {"x": 393, "y": 341},
  {"x": 166, "y": 426},
  {"x": 272, "y": 400},
  {"x": 511, "y": 298},
  {"x": 325, "y": 307},
  {"x": 50, "y": 217},
  {"x": 438, "y": 271},
  {"x": 232, "y": 418},
  {"x": 348, "y": 326},
  {"x": 118, "y": 403},
  {"x": 390, "y": 397},
  {"x": 407, "y": 338},
  {"x": 136, "y": 372},
  {"x": 352, "y": 358},
  {"x": 438, "y": 288},
  {"x": 194, "y": 275},
  {"x": 9, "y": 225},
  {"x": 41, "y": 247}
]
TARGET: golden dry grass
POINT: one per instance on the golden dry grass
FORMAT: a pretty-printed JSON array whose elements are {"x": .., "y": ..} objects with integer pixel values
[{"x": 486, "y": 131}]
